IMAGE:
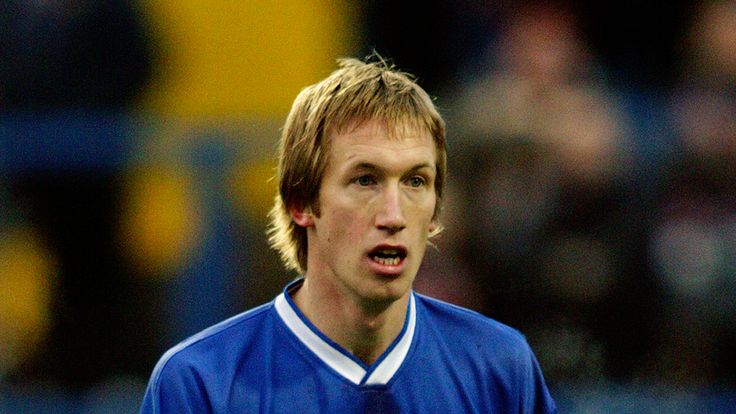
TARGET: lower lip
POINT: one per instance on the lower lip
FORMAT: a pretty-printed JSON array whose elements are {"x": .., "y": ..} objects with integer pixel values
[{"x": 387, "y": 270}]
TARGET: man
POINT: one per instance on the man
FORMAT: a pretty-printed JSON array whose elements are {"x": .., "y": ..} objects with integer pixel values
[{"x": 361, "y": 173}]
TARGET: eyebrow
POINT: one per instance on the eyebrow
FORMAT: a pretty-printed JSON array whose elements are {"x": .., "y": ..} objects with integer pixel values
[{"x": 372, "y": 167}]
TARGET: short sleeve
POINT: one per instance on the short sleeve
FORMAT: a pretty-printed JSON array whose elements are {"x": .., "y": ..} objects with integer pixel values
[
  {"x": 175, "y": 388},
  {"x": 536, "y": 398}
]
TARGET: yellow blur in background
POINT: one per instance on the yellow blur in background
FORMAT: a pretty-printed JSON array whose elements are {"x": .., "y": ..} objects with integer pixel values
[
  {"x": 234, "y": 58},
  {"x": 26, "y": 280}
]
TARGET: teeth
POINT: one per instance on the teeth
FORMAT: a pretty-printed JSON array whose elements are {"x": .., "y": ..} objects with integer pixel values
[
  {"x": 393, "y": 261},
  {"x": 390, "y": 252}
]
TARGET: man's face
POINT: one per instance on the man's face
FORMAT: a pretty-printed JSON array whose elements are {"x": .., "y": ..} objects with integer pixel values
[{"x": 376, "y": 204}]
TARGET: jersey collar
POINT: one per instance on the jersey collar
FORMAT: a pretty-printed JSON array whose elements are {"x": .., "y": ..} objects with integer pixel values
[{"x": 335, "y": 356}]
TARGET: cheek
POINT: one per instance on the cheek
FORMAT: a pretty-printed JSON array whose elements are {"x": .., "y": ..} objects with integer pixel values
[
  {"x": 424, "y": 211},
  {"x": 347, "y": 226}
]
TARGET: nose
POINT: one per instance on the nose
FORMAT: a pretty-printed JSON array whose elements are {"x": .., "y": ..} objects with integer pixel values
[{"x": 390, "y": 214}]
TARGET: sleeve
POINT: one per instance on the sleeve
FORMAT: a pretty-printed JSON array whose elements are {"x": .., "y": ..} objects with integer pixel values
[
  {"x": 150, "y": 406},
  {"x": 175, "y": 388},
  {"x": 536, "y": 398}
]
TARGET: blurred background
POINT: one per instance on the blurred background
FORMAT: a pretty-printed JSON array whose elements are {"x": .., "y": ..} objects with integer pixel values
[{"x": 591, "y": 202}]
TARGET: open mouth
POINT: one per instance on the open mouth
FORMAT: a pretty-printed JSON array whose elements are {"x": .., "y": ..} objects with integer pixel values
[{"x": 388, "y": 256}]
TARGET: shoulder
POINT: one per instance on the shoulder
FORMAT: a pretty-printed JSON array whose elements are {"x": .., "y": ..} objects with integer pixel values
[
  {"x": 468, "y": 330},
  {"x": 492, "y": 353},
  {"x": 447, "y": 315},
  {"x": 207, "y": 352}
]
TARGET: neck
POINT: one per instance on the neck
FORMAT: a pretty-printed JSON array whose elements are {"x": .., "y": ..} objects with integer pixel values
[{"x": 364, "y": 328}]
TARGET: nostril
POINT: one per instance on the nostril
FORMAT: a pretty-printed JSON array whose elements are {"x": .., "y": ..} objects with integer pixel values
[{"x": 393, "y": 227}]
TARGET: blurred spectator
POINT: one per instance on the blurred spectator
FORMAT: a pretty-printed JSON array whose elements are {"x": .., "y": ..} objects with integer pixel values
[
  {"x": 547, "y": 182},
  {"x": 693, "y": 243},
  {"x": 712, "y": 59}
]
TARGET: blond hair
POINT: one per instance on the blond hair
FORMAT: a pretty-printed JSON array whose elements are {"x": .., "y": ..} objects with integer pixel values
[{"x": 354, "y": 93}]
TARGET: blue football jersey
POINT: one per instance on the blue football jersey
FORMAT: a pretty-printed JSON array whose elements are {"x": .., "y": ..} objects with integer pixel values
[{"x": 271, "y": 359}]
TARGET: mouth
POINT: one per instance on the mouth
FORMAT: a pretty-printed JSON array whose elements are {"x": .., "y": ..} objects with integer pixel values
[{"x": 388, "y": 255}]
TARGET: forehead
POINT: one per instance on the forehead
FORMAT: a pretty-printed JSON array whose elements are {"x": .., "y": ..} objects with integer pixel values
[{"x": 376, "y": 139}]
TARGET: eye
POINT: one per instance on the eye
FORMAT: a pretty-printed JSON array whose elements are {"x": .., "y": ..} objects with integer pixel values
[
  {"x": 365, "y": 180},
  {"x": 416, "y": 181}
]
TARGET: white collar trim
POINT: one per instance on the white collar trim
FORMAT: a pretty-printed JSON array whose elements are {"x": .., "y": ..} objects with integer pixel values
[{"x": 336, "y": 359}]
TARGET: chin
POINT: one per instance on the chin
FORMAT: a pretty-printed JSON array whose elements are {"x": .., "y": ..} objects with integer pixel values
[{"x": 387, "y": 289}]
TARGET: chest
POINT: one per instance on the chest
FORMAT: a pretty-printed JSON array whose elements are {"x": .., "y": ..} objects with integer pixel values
[{"x": 294, "y": 384}]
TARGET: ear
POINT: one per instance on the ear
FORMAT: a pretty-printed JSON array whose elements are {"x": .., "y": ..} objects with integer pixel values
[
  {"x": 433, "y": 226},
  {"x": 302, "y": 216}
]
